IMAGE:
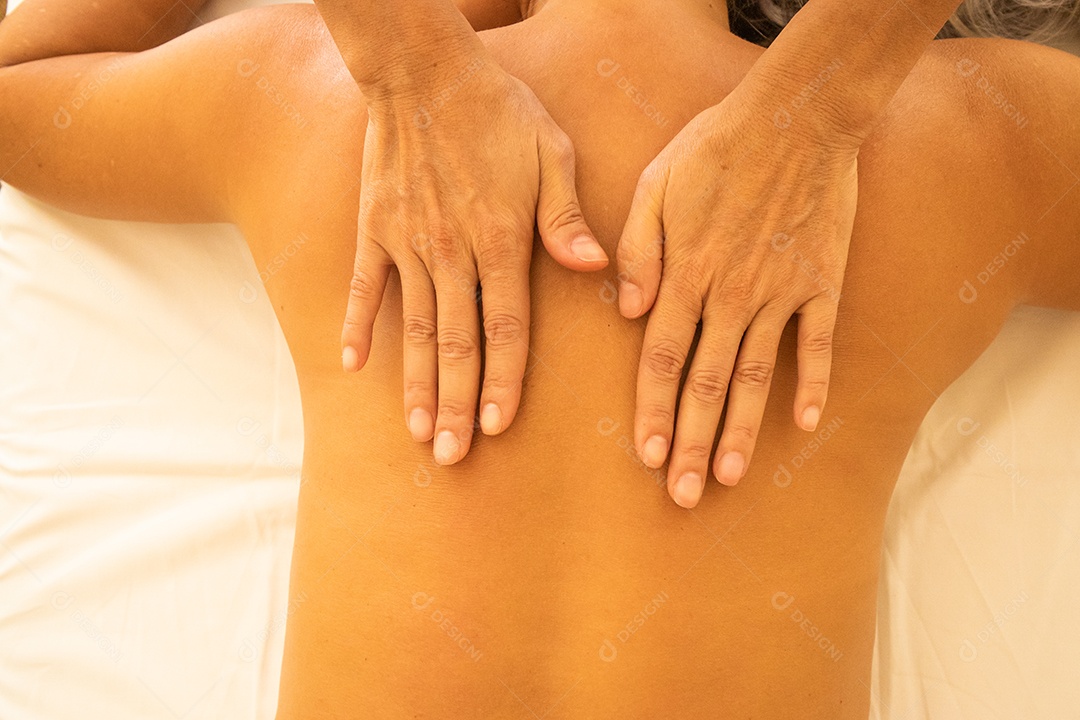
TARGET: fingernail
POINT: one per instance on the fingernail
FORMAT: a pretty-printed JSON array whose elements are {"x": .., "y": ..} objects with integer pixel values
[
  {"x": 350, "y": 359},
  {"x": 629, "y": 299},
  {"x": 688, "y": 489},
  {"x": 810, "y": 417},
  {"x": 587, "y": 250},
  {"x": 731, "y": 468},
  {"x": 446, "y": 448},
  {"x": 654, "y": 451},
  {"x": 421, "y": 425},
  {"x": 491, "y": 419}
]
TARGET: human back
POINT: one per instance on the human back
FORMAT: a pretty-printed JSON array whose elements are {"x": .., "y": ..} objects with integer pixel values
[{"x": 549, "y": 570}]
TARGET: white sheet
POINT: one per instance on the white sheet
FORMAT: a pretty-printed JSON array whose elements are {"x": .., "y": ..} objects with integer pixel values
[
  {"x": 150, "y": 445},
  {"x": 150, "y": 441},
  {"x": 977, "y": 613}
]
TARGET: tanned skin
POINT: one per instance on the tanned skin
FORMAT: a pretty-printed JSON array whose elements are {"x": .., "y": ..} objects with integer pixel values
[{"x": 549, "y": 573}]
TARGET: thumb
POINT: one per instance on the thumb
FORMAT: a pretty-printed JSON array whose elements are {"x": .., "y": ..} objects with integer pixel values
[
  {"x": 558, "y": 215},
  {"x": 641, "y": 247}
]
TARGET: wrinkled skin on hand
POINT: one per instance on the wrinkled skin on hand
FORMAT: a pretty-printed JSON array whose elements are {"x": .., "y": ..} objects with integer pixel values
[
  {"x": 738, "y": 223},
  {"x": 452, "y": 182}
]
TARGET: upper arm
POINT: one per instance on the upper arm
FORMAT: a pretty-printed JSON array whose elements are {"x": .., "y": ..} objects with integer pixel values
[
  {"x": 1025, "y": 97},
  {"x": 174, "y": 134},
  {"x": 1047, "y": 90},
  {"x": 50, "y": 28}
]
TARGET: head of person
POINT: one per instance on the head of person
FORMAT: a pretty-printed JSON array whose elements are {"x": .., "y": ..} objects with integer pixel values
[{"x": 1052, "y": 22}]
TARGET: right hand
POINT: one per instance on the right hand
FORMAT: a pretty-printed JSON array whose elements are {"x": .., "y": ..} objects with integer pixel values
[{"x": 454, "y": 176}]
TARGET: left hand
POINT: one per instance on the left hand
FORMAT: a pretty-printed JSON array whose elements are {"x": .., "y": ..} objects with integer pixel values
[{"x": 750, "y": 221}]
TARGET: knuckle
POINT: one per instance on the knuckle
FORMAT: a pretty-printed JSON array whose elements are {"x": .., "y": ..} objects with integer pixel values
[
  {"x": 377, "y": 198},
  {"x": 693, "y": 274},
  {"x": 562, "y": 141},
  {"x": 497, "y": 247},
  {"x": 454, "y": 410},
  {"x": 363, "y": 287},
  {"x": 502, "y": 329},
  {"x": 694, "y": 450},
  {"x": 753, "y": 373},
  {"x": 739, "y": 433},
  {"x": 818, "y": 342},
  {"x": 354, "y": 325},
  {"x": 442, "y": 243},
  {"x": 648, "y": 178},
  {"x": 561, "y": 146},
  {"x": 626, "y": 255},
  {"x": 565, "y": 216},
  {"x": 419, "y": 330},
  {"x": 707, "y": 386},
  {"x": 497, "y": 385},
  {"x": 456, "y": 344},
  {"x": 741, "y": 295},
  {"x": 419, "y": 388},
  {"x": 815, "y": 385},
  {"x": 656, "y": 415},
  {"x": 664, "y": 360},
  {"x": 367, "y": 231}
]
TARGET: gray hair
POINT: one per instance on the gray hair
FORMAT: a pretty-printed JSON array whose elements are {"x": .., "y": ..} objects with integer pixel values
[{"x": 1041, "y": 21}]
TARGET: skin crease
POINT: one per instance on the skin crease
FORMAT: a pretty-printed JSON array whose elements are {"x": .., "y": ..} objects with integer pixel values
[{"x": 549, "y": 573}]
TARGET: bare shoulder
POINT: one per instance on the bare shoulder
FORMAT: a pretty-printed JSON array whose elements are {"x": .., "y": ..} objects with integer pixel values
[
  {"x": 991, "y": 89},
  {"x": 279, "y": 70},
  {"x": 1002, "y": 106},
  {"x": 1021, "y": 101},
  {"x": 294, "y": 117},
  {"x": 983, "y": 139}
]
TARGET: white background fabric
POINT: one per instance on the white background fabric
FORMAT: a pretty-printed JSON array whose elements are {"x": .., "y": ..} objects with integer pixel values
[
  {"x": 977, "y": 612},
  {"x": 150, "y": 445},
  {"x": 150, "y": 442}
]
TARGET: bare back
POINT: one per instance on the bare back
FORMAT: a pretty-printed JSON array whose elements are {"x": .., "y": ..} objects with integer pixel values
[{"x": 549, "y": 574}]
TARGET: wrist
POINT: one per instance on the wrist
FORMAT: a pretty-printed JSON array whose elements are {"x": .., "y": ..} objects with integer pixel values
[
  {"x": 807, "y": 107},
  {"x": 422, "y": 79},
  {"x": 455, "y": 83},
  {"x": 412, "y": 60},
  {"x": 840, "y": 83}
]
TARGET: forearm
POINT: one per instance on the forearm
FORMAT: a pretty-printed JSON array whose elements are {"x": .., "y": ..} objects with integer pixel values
[
  {"x": 839, "y": 62},
  {"x": 397, "y": 48},
  {"x": 49, "y": 28}
]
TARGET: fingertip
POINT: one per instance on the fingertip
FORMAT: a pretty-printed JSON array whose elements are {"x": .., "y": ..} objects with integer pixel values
[
  {"x": 421, "y": 425},
  {"x": 350, "y": 359},
  {"x": 491, "y": 419},
  {"x": 809, "y": 418},
  {"x": 447, "y": 448},
  {"x": 730, "y": 467},
  {"x": 687, "y": 490},
  {"x": 586, "y": 249},
  {"x": 654, "y": 452},
  {"x": 631, "y": 300}
]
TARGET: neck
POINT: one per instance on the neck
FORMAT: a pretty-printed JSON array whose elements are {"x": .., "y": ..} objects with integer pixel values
[{"x": 711, "y": 10}]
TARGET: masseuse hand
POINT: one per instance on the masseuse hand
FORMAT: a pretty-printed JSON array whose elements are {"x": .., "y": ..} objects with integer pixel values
[
  {"x": 749, "y": 221},
  {"x": 454, "y": 173}
]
